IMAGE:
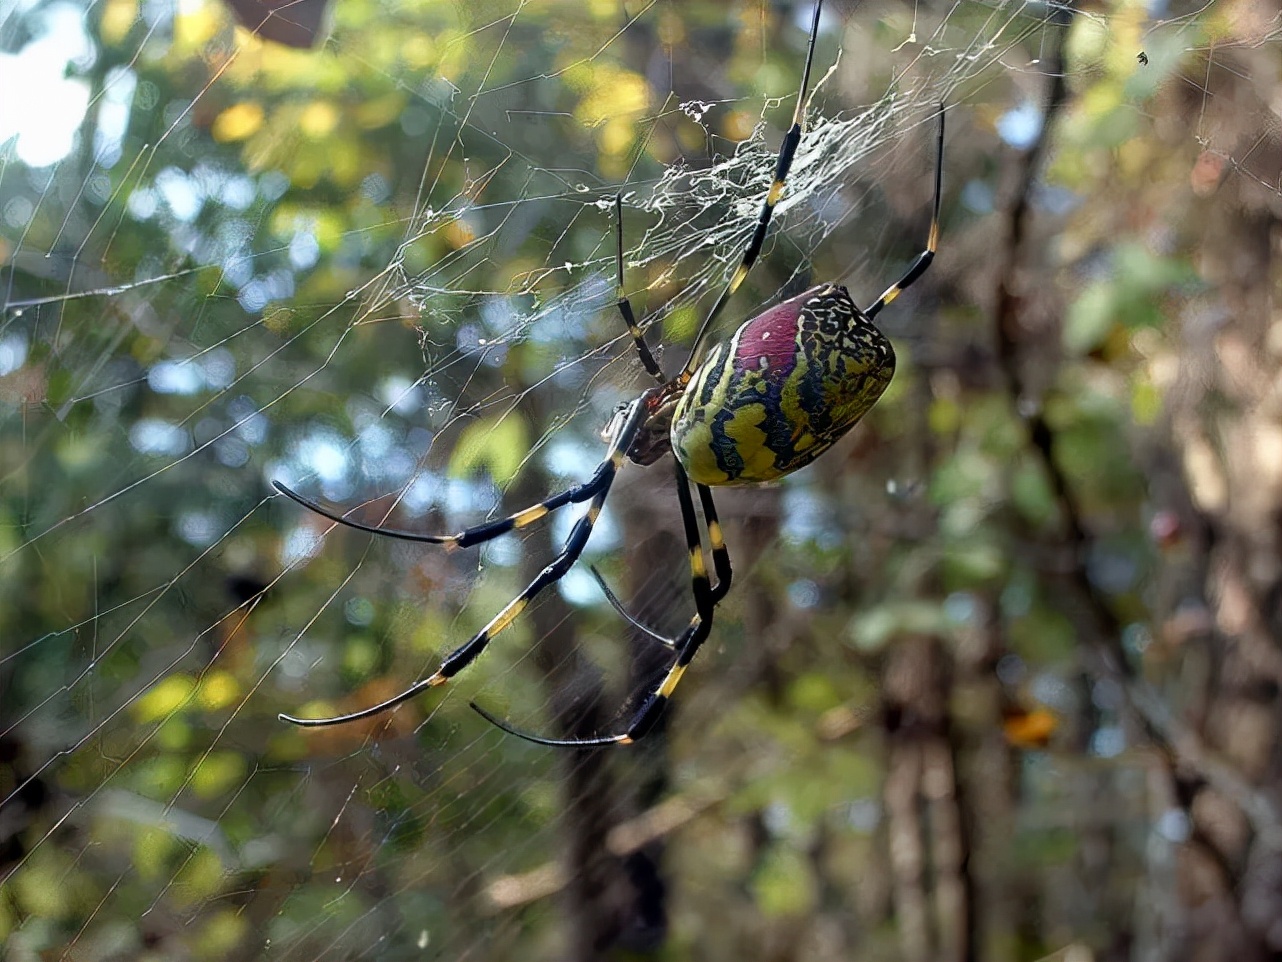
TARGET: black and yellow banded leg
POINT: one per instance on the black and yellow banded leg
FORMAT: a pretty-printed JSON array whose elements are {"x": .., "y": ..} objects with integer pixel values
[
  {"x": 644, "y": 718},
  {"x": 787, "y": 151},
  {"x": 699, "y": 583},
  {"x": 480, "y": 533},
  {"x": 705, "y": 603},
  {"x": 625, "y": 306},
  {"x": 932, "y": 239},
  {"x": 720, "y": 561},
  {"x": 466, "y": 653},
  {"x": 695, "y": 634},
  {"x": 717, "y": 544}
]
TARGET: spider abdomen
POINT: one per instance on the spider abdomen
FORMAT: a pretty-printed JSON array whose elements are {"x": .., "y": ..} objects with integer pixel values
[{"x": 782, "y": 390}]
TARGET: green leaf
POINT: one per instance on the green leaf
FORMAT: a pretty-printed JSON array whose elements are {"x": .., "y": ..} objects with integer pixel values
[
  {"x": 1089, "y": 319},
  {"x": 876, "y": 628},
  {"x": 499, "y": 445},
  {"x": 784, "y": 885}
]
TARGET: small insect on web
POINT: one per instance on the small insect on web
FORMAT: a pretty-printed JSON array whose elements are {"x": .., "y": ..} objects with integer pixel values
[{"x": 759, "y": 405}]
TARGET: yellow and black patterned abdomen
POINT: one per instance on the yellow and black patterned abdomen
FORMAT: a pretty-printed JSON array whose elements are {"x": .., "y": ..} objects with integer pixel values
[{"x": 782, "y": 390}]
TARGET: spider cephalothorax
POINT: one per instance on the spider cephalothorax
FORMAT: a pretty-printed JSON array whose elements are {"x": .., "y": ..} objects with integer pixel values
[{"x": 754, "y": 407}]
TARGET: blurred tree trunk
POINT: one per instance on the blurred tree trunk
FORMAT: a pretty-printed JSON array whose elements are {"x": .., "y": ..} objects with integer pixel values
[
  {"x": 610, "y": 899},
  {"x": 1224, "y": 427},
  {"x": 928, "y": 834},
  {"x": 1205, "y": 695}
]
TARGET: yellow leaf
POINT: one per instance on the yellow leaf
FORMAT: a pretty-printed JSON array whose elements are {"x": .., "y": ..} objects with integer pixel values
[
  {"x": 164, "y": 698},
  {"x": 237, "y": 122},
  {"x": 152, "y": 850},
  {"x": 200, "y": 876},
  {"x": 459, "y": 233},
  {"x": 616, "y": 137},
  {"x": 218, "y": 689},
  {"x": 418, "y": 50},
  {"x": 196, "y": 25},
  {"x": 1146, "y": 402},
  {"x": 217, "y": 773},
  {"x": 222, "y": 934},
  {"x": 612, "y": 93},
  {"x": 738, "y": 125},
  {"x": 117, "y": 17},
  {"x": 318, "y": 119},
  {"x": 380, "y": 111}
]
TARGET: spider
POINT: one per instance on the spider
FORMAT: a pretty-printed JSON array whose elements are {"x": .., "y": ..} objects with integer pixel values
[{"x": 786, "y": 386}]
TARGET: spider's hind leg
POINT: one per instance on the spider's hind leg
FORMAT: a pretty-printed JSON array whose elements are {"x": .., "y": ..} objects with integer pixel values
[
  {"x": 627, "y": 616},
  {"x": 696, "y": 633},
  {"x": 720, "y": 562}
]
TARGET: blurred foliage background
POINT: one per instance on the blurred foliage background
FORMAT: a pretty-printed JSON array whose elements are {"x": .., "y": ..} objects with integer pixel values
[{"x": 999, "y": 677}]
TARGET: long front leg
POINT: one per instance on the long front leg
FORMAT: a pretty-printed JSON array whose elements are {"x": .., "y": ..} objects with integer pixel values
[
  {"x": 924, "y": 259},
  {"x": 469, "y": 536},
  {"x": 783, "y": 165},
  {"x": 625, "y": 306}
]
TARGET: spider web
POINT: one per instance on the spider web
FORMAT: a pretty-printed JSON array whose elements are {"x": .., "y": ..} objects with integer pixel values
[{"x": 382, "y": 271}]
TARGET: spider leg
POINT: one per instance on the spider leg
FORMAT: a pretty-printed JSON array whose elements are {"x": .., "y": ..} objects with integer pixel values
[
  {"x": 615, "y": 603},
  {"x": 479, "y": 534},
  {"x": 695, "y": 634},
  {"x": 625, "y": 306},
  {"x": 720, "y": 554},
  {"x": 783, "y": 165},
  {"x": 932, "y": 240},
  {"x": 720, "y": 560},
  {"x": 465, "y": 654}
]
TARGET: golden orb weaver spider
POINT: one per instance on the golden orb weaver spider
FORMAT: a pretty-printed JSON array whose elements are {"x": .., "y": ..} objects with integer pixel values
[{"x": 786, "y": 386}]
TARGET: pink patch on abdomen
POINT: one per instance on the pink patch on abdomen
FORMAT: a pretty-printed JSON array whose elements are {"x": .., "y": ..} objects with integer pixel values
[{"x": 772, "y": 336}]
